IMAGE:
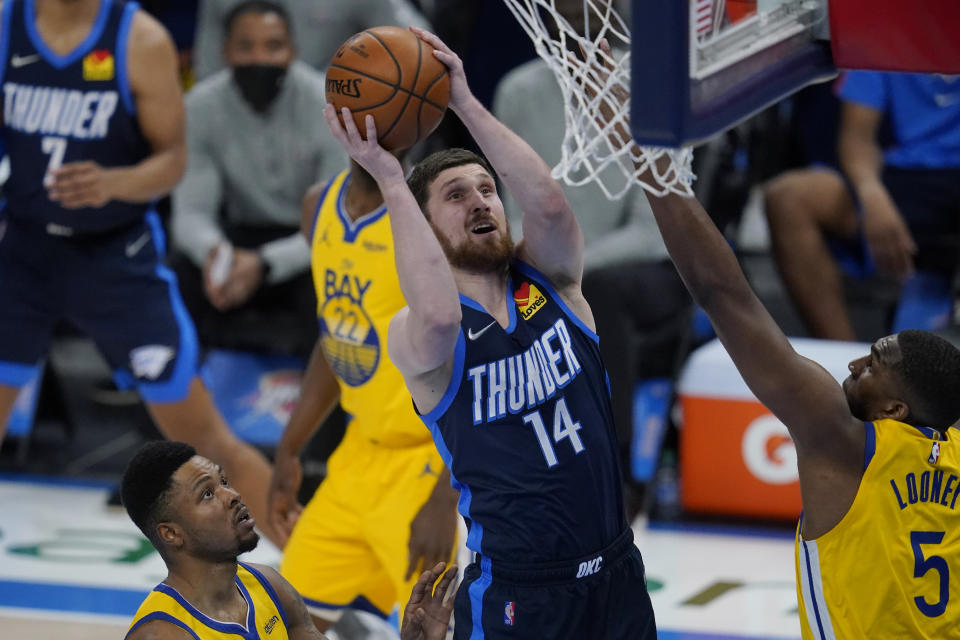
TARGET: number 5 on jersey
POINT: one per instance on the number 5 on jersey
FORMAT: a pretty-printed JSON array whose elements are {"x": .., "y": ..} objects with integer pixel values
[
  {"x": 563, "y": 427},
  {"x": 923, "y": 564}
]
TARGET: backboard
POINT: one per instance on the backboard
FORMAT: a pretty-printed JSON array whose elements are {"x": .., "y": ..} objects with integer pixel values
[
  {"x": 701, "y": 66},
  {"x": 673, "y": 73}
]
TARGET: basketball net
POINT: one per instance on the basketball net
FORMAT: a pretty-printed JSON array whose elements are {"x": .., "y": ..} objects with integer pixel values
[{"x": 593, "y": 152}]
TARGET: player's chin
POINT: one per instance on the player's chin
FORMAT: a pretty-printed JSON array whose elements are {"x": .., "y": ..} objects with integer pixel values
[{"x": 248, "y": 541}]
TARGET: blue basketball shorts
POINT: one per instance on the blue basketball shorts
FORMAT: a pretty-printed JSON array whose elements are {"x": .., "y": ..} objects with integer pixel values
[
  {"x": 929, "y": 201},
  {"x": 601, "y": 595},
  {"x": 111, "y": 286}
]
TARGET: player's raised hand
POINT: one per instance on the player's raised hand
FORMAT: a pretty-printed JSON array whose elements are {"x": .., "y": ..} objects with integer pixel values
[
  {"x": 379, "y": 163},
  {"x": 283, "y": 510},
  {"x": 427, "y": 614},
  {"x": 599, "y": 72},
  {"x": 76, "y": 185},
  {"x": 459, "y": 90},
  {"x": 433, "y": 531}
]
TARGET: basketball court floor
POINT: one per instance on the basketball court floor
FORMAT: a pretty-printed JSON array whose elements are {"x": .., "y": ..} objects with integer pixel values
[{"x": 70, "y": 566}]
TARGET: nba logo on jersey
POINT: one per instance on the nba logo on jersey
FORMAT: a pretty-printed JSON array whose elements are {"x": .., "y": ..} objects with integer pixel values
[
  {"x": 934, "y": 453},
  {"x": 98, "y": 65},
  {"x": 509, "y": 612}
]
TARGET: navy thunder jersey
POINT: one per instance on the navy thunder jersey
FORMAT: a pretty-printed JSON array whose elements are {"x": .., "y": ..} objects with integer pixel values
[
  {"x": 526, "y": 429},
  {"x": 59, "y": 109}
]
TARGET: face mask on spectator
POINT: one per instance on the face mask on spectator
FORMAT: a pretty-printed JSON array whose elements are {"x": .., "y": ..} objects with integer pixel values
[{"x": 259, "y": 84}]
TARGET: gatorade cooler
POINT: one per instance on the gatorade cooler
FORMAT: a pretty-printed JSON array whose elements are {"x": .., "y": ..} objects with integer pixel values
[{"x": 736, "y": 458}]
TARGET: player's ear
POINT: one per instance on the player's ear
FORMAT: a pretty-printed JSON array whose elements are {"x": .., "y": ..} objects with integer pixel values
[
  {"x": 897, "y": 410},
  {"x": 170, "y": 534}
]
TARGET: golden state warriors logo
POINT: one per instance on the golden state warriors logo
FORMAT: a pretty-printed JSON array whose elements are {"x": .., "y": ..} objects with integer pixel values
[
  {"x": 98, "y": 65},
  {"x": 347, "y": 334},
  {"x": 529, "y": 300}
]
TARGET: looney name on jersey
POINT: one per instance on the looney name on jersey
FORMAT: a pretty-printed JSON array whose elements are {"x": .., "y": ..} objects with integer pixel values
[
  {"x": 50, "y": 111},
  {"x": 930, "y": 487},
  {"x": 522, "y": 381}
]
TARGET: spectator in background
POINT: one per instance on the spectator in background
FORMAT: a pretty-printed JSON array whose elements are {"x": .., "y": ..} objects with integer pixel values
[
  {"x": 894, "y": 211},
  {"x": 632, "y": 287},
  {"x": 255, "y": 145},
  {"x": 320, "y": 27}
]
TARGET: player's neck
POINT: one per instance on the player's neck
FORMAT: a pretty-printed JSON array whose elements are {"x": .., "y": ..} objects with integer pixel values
[
  {"x": 362, "y": 196},
  {"x": 64, "y": 24},
  {"x": 489, "y": 289},
  {"x": 72, "y": 13},
  {"x": 210, "y": 587}
]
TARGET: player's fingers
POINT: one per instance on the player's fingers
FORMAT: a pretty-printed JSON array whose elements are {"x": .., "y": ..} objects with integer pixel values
[
  {"x": 336, "y": 126},
  {"x": 437, "y": 557},
  {"x": 441, "y": 51},
  {"x": 371, "y": 125},
  {"x": 276, "y": 507},
  {"x": 350, "y": 125},
  {"x": 293, "y": 516},
  {"x": 443, "y": 586},
  {"x": 450, "y": 60},
  {"x": 79, "y": 179},
  {"x": 420, "y": 588},
  {"x": 330, "y": 115},
  {"x": 412, "y": 563},
  {"x": 430, "y": 38},
  {"x": 74, "y": 189},
  {"x": 74, "y": 204},
  {"x": 73, "y": 199},
  {"x": 72, "y": 168}
]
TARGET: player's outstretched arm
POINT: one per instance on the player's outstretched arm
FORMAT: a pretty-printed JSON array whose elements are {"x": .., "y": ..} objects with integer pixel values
[
  {"x": 299, "y": 623},
  {"x": 423, "y": 334},
  {"x": 552, "y": 239},
  {"x": 427, "y": 614},
  {"x": 830, "y": 441},
  {"x": 798, "y": 391}
]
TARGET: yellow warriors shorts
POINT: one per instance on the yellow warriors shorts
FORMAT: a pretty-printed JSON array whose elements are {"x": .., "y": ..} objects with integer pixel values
[{"x": 350, "y": 545}]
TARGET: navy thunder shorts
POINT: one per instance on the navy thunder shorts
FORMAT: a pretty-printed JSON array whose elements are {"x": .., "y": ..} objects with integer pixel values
[
  {"x": 603, "y": 595},
  {"x": 112, "y": 286}
]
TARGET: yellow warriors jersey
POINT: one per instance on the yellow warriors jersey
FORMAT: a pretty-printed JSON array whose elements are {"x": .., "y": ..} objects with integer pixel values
[
  {"x": 358, "y": 293},
  {"x": 890, "y": 569},
  {"x": 266, "y": 618}
]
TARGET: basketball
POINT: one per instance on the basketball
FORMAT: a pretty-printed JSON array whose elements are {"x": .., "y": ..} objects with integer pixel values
[{"x": 391, "y": 74}]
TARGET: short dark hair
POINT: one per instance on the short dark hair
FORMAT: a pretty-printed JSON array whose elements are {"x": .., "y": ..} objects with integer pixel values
[
  {"x": 436, "y": 163},
  {"x": 930, "y": 374},
  {"x": 255, "y": 6},
  {"x": 146, "y": 483}
]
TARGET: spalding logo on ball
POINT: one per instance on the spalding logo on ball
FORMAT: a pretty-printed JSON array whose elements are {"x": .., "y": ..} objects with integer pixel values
[{"x": 391, "y": 74}]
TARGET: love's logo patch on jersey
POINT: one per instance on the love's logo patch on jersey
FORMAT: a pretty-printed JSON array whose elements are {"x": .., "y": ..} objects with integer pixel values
[
  {"x": 529, "y": 300},
  {"x": 98, "y": 65}
]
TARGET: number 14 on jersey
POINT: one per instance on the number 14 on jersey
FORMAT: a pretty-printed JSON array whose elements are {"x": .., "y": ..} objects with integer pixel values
[{"x": 564, "y": 427}]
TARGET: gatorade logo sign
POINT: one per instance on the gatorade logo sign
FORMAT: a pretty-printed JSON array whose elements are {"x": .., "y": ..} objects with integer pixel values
[
  {"x": 769, "y": 452},
  {"x": 529, "y": 300}
]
